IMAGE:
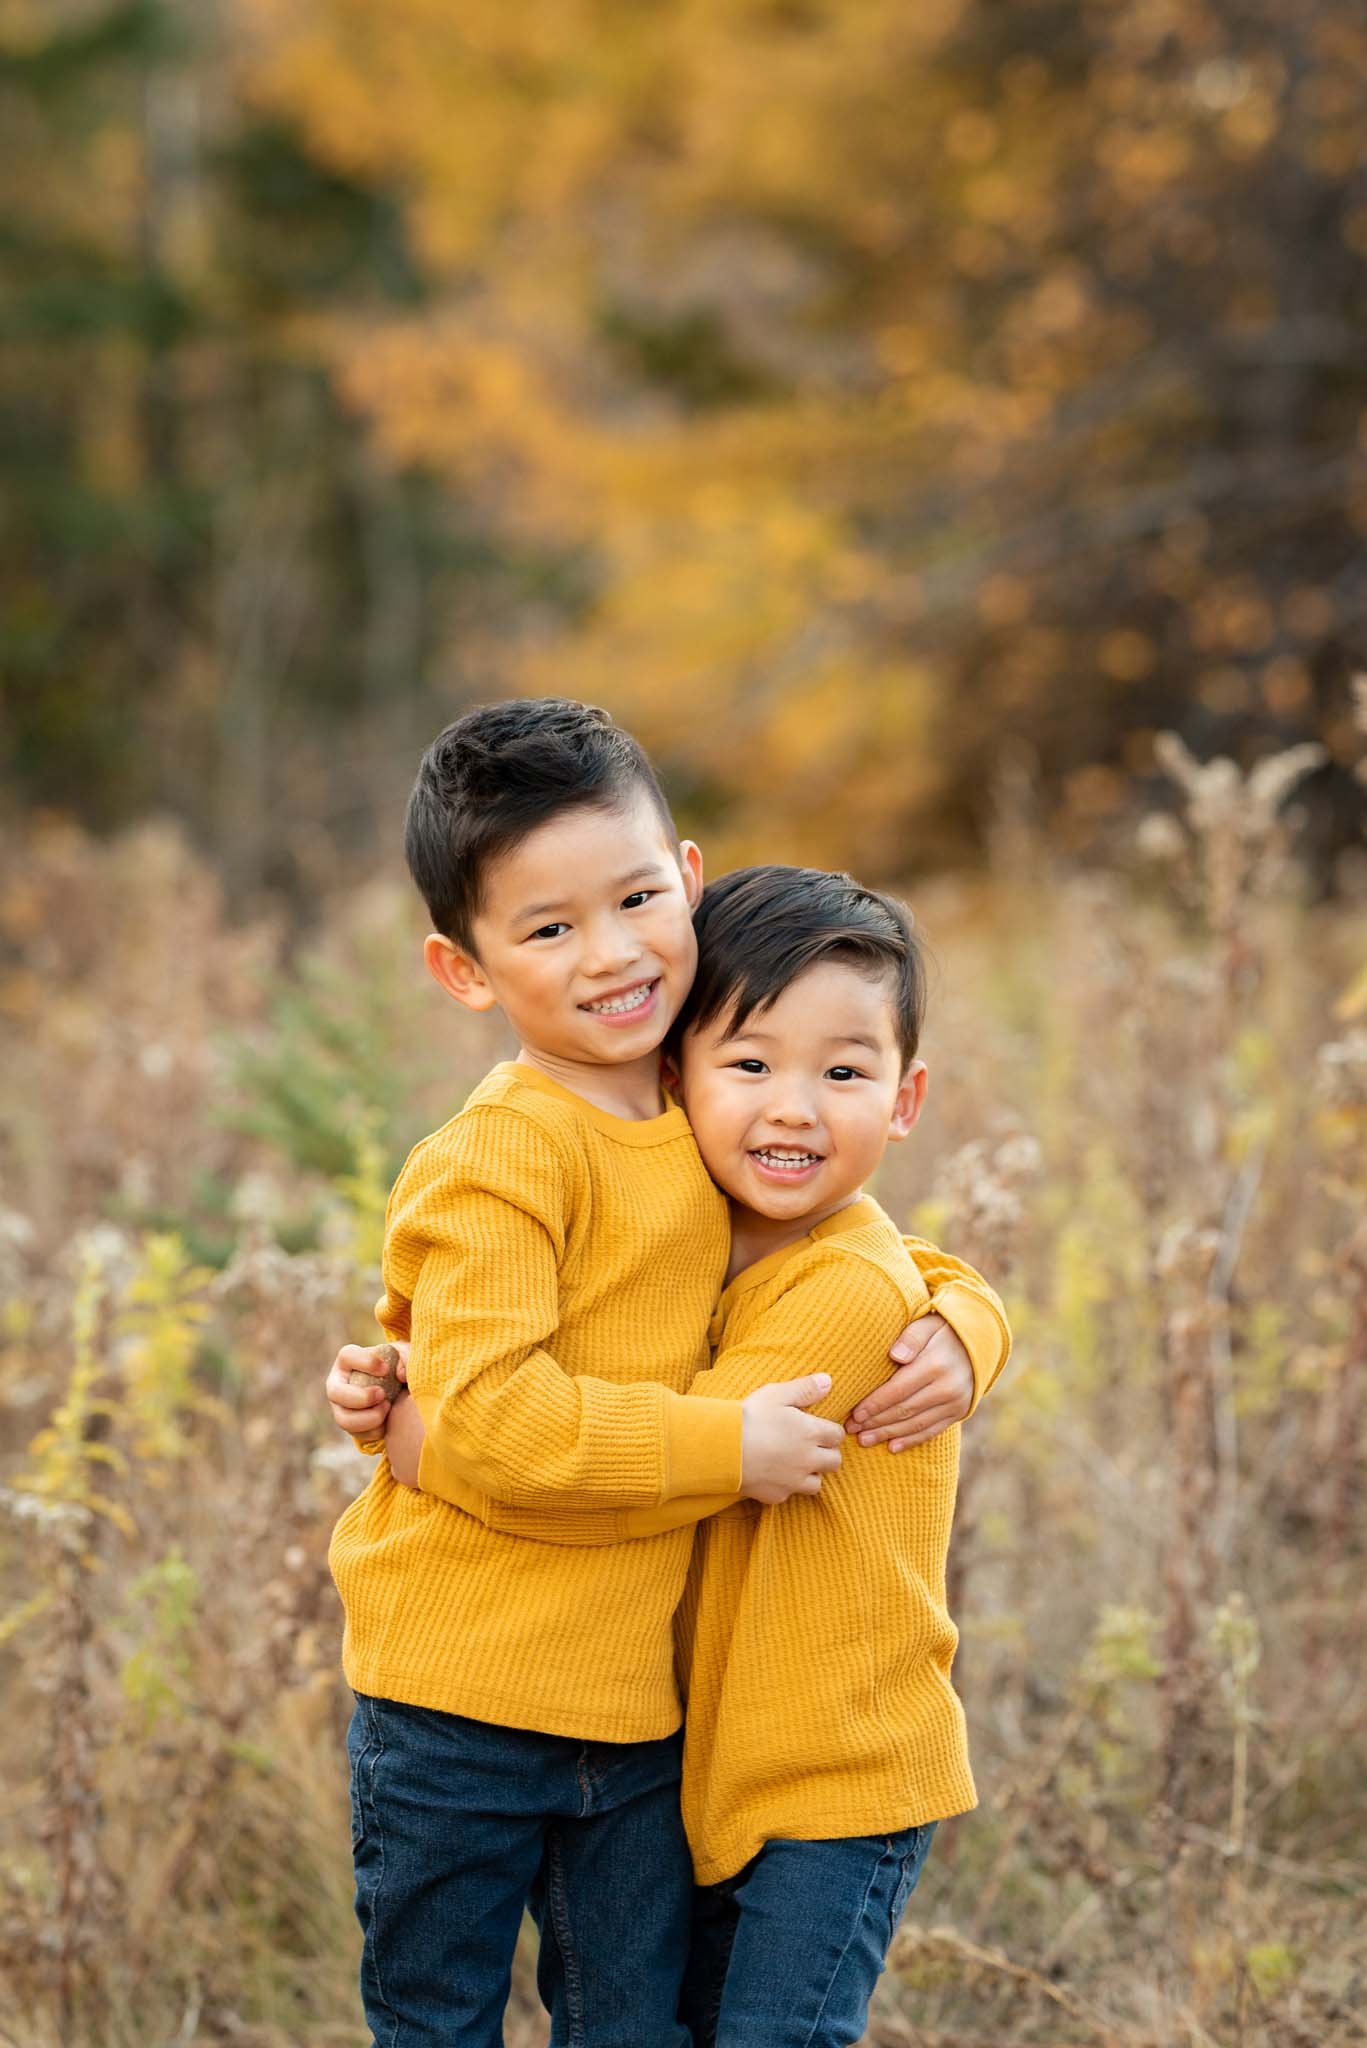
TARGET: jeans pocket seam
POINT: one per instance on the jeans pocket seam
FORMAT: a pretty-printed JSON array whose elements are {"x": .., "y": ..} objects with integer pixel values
[
  {"x": 911, "y": 1859},
  {"x": 897, "y": 1896},
  {"x": 359, "y": 1762}
]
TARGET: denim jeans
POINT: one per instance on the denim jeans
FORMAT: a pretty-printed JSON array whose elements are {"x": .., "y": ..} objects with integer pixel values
[
  {"x": 786, "y": 1953},
  {"x": 457, "y": 1825}
]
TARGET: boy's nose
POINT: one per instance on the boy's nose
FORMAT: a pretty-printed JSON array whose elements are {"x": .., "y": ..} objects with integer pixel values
[
  {"x": 610, "y": 952},
  {"x": 791, "y": 1114}
]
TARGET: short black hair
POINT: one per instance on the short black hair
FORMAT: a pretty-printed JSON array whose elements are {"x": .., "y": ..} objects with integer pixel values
[
  {"x": 497, "y": 774},
  {"x": 759, "y": 928}
]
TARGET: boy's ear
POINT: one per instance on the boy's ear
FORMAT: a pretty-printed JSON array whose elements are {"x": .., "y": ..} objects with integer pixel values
[
  {"x": 458, "y": 972},
  {"x": 690, "y": 864},
  {"x": 908, "y": 1101}
]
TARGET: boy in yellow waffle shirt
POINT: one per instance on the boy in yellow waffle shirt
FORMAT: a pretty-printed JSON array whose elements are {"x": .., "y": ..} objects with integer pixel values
[
  {"x": 554, "y": 1254},
  {"x": 824, "y": 1738}
]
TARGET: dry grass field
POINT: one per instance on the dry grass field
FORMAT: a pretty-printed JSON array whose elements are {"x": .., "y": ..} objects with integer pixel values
[{"x": 1148, "y": 1125}]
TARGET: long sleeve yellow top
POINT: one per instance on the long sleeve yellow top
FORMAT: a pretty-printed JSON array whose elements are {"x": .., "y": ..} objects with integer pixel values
[
  {"x": 951, "y": 1289},
  {"x": 554, "y": 1268},
  {"x": 814, "y": 1639}
]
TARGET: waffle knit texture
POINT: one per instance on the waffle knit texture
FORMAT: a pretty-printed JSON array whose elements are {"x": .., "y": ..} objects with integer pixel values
[
  {"x": 813, "y": 1638},
  {"x": 951, "y": 1289},
  {"x": 554, "y": 1268}
]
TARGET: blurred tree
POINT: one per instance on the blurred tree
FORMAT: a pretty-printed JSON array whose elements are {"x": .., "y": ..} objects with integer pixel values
[
  {"x": 838, "y": 390},
  {"x": 917, "y": 375},
  {"x": 204, "y": 577}
]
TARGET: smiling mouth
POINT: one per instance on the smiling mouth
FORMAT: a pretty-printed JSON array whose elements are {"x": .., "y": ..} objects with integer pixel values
[
  {"x": 785, "y": 1162},
  {"x": 624, "y": 1002}
]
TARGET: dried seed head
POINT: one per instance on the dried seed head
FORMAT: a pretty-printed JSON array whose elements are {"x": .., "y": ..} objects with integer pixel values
[
  {"x": 1341, "y": 1070},
  {"x": 1186, "y": 1252},
  {"x": 1160, "y": 837},
  {"x": 1359, "y": 688},
  {"x": 1271, "y": 781}
]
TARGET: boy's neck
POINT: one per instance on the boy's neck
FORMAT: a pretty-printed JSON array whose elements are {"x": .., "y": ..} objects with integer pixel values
[
  {"x": 754, "y": 1237},
  {"x": 632, "y": 1091}
]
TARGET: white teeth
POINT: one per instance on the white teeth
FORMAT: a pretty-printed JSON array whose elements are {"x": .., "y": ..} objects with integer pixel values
[
  {"x": 619, "y": 1005},
  {"x": 772, "y": 1158}
]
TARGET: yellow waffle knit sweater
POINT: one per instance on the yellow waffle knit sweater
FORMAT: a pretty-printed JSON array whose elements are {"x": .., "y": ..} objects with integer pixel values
[
  {"x": 814, "y": 1637},
  {"x": 533, "y": 1238},
  {"x": 555, "y": 1268},
  {"x": 814, "y": 1640}
]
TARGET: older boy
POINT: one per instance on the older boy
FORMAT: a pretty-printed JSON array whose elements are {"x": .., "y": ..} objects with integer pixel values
[{"x": 514, "y": 1733}]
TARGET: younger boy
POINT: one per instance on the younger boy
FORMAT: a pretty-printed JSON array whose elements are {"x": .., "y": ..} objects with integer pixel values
[
  {"x": 514, "y": 1733},
  {"x": 824, "y": 1738}
]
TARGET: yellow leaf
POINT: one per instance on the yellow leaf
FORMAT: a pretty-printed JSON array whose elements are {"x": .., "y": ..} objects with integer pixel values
[
  {"x": 20, "y": 1617},
  {"x": 1353, "y": 1002}
]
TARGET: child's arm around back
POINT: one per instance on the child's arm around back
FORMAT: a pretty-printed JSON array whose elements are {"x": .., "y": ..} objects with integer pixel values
[
  {"x": 927, "y": 1392},
  {"x": 475, "y": 1250},
  {"x": 840, "y": 1307},
  {"x": 839, "y": 1312},
  {"x": 474, "y": 1241}
]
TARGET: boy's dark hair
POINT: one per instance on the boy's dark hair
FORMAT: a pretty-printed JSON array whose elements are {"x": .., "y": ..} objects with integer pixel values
[
  {"x": 759, "y": 928},
  {"x": 496, "y": 775}
]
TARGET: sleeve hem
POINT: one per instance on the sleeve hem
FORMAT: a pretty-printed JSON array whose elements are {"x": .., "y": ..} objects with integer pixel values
[
  {"x": 436, "y": 1478},
  {"x": 702, "y": 1446},
  {"x": 980, "y": 1329}
]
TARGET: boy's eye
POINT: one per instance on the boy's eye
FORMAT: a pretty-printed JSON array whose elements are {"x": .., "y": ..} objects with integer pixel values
[
  {"x": 749, "y": 1066},
  {"x": 843, "y": 1074},
  {"x": 637, "y": 898},
  {"x": 549, "y": 931}
]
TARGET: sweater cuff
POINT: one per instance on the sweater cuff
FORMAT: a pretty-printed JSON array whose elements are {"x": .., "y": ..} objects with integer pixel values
[
  {"x": 443, "y": 1483},
  {"x": 979, "y": 1329},
  {"x": 702, "y": 1446}
]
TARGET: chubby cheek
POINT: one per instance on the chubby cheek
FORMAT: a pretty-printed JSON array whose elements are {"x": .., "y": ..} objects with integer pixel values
[
  {"x": 862, "y": 1137},
  {"x": 676, "y": 948},
  {"x": 727, "y": 1166},
  {"x": 544, "y": 994},
  {"x": 535, "y": 990},
  {"x": 721, "y": 1137}
]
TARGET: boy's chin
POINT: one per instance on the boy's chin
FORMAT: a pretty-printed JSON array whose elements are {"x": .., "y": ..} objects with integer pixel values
[
  {"x": 590, "y": 1048},
  {"x": 818, "y": 1196},
  {"x": 626, "y": 1056},
  {"x": 779, "y": 1205}
]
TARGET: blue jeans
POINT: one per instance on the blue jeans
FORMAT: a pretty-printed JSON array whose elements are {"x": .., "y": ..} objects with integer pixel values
[
  {"x": 786, "y": 1953},
  {"x": 457, "y": 1825}
]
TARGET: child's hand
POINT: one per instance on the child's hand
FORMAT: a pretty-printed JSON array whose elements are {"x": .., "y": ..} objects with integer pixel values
[
  {"x": 403, "y": 1440},
  {"x": 784, "y": 1451},
  {"x": 362, "y": 1410},
  {"x": 930, "y": 1392}
]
